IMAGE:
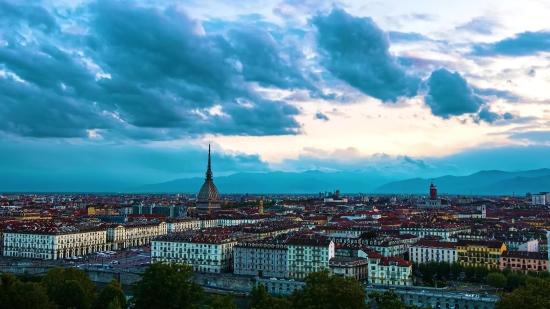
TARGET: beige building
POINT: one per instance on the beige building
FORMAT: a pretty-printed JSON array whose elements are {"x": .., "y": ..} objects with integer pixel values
[
  {"x": 357, "y": 268},
  {"x": 266, "y": 257},
  {"x": 524, "y": 261},
  {"x": 308, "y": 254},
  {"x": 445, "y": 231},
  {"x": 389, "y": 270},
  {"x": 134, "y": 234},
  {"x": 425, "y": 251}
]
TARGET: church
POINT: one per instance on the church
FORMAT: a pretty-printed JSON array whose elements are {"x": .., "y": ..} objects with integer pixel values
[{"x": 208, "y": 199}]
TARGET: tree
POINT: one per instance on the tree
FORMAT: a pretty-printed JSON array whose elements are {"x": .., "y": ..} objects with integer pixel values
[
  {"x": 443, "y": 270},
  {"x": 65, "y": 284},
  {"x": 388, "y": 300},
  {"x": 167, "y": 286},
  {"x": 263, "y": 300},
  {"x": 513, "y": 280},
  {"x": 323, "y": 291},
  {"x": 112, "y": 292},
  {"x": 456, "y": 269},
  {"x": 496, "y": 280},
  {"x": 15, "y": 294},
  {"x": 481, "y": 272},
  {"x": 533, "y": 295},
  {"x": 470, "y": 272},
  {"x": 220, "y": 302}
]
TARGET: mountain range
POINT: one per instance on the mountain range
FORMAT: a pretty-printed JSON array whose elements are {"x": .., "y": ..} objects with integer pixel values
[{"x": 481, "y": 183}]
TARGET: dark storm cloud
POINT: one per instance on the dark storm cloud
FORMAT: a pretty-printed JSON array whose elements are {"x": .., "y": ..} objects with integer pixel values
[
  {"x": 488, "y": 116},
  {"x": 479, "y": 25},
  {"x": 15, "y": 12},
  {"x": 449, "y": 95},
  {"x": 321, "y": 116},
  {"x": 356, "y": 50},
  {"x": 161, "y": 74},
  {"x": 522, "y": 44}
]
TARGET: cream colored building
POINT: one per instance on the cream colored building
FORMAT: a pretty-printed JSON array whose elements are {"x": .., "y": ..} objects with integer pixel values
[
  {"x": 426, "y": 251},
  {"x": 308, "y": 254},
  {"x": 389, "y": 270},
  {"x": 55, "y": 243},
  {"x": 266, "y": 257},
  {"x": 182, "y": 225},
  {"x": 445, "y": 231},
  {"x": 209, "y": 250},
  {"x": 134, "y": 234}
]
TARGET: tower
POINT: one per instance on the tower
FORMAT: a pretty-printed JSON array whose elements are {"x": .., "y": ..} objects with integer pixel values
[
  {"x": 208, "y": 198},
  {"x": 483, "y": 212},
  {"x": 433, "y": 191},
  {"x": 261, "y": 207}
]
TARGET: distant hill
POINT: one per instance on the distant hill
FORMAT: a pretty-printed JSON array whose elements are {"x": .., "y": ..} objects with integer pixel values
[
  {"x": 273, "y": 182},
  {"x": 484, "y": 182}
]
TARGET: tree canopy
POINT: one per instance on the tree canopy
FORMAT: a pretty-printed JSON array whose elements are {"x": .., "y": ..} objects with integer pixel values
[
  {"x": 496, "y": 280},
  {"x": 167, "y": 286},
  {"x": 263, "y": 300},
  {"x": 69, "y": 288},
  {"x": 323, "y": 291},
  {"x": 536, "y": 294},
  {"x": 111, "y": 295},
  {"x": 15, "y": 294}
]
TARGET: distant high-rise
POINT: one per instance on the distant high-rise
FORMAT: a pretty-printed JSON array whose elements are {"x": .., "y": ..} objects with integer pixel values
[{"x": 208, "y": 198}]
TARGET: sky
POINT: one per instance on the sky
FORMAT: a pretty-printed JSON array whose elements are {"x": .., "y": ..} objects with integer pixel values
[{"x": 132, "y": 92}]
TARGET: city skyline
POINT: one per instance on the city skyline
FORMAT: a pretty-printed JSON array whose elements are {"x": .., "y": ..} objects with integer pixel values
[{"x": 131, "y": 93}]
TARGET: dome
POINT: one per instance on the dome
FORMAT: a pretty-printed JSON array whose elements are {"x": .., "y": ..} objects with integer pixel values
[{"x": 208, "y": 192}]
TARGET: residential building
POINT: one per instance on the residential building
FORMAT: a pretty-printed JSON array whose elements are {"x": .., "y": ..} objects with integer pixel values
[
  {"x": 425, "y": 251},
  {"x": 357, "y": 268},
  {"x": 480, "y": 252},
  {"x": 445, "y": 230},
  {"x": 266, "y": 257},
  {"x": 209, "y": 250},
  {"x": 307, "y": 254},
  {"x": 524, "y": 261},
  {"x": 181, "y": 225},
  {"x": 134, "y": 234},
  {"x": 530, "y": 246},
  {"x": 389, "y": 270}
]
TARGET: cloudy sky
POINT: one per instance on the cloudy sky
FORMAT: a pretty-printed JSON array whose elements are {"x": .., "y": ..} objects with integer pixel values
[{"x": 132, "y": 92}]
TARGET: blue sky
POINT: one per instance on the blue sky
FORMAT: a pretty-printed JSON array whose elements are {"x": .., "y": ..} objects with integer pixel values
[{"x": 132, "y": 92}]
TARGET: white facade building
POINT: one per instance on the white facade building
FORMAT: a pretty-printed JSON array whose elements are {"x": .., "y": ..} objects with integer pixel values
[
  {"x": 266, "y": 258},
  {"x": 134, "y": 234},
  {"x": 442, "y": 230},
  {"x": 530, "y": 246},
  {"x": 182, "y": 225},
  {"x": 538, "y": 199},
  {"x": 425, "y": 251},
  {"x": 308, "y": 254},
  {"x": 389, "y": 270}
]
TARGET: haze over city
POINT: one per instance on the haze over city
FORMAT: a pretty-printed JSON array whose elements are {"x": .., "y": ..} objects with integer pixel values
[{"x": 101, "y": 95}]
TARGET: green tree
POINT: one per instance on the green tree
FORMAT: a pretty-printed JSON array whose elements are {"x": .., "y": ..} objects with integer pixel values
[
  {"x": 443, "y": 270},
  {"x": 263, "y": 300},
  {"x": 496, "y": 280},
  {"x": 544, "y": 274},
  {"x": 513, "y": 280},
  {"x": 470, "y": 272},
  {"x": 323, "y": 291},
  {"x": 456, "y": 269},
  {"x": 167, "y": 286},
  {"x": 533, "y": 295},
  {"x": 15, "y": 294},
  {"x": 388, "y": 300},
  {"x": 65, "y": 285},
  {"x": 481, "y": 272},
  {"x": 113, "y": 291},
  {"x": 220, "y": 302}
]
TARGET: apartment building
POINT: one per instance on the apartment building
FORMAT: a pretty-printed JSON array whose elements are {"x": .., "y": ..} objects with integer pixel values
[
  {"x": 480, "y": 252},
  {"x": 266, "y": 257},
  {"x": 389, "y": 270},
  {"x": 181, "y": 225},
  {"x": 134, "y": 234},
  {"x": 208, "y": 251},
  {"x": 391, "y": 246},
  {"x": 445, "y": 231},
  {"x": 357, "y": 268},
  {"x": 54, "y": 242},
  {"x": 524, "y": 261},
  {"x": 308, "y": 254},
  {"x": 425, "y": 251}
]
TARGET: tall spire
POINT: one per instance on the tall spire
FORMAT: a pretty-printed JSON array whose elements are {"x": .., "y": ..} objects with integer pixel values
[{"x": 209, "y": 169}]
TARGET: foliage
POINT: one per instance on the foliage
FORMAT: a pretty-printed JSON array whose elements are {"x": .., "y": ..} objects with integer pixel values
[
  {"x": 263, "y": 300},
  {"x": 533, "y": 295},
  {"x": 388, "y": 300},
  {"x": 167, "y": 286},
  {"x": 68, "y": 285},
  {"x": 496, "y": 280},
  {"x": 323, "y": 291},
  {"x": 220, "y": 302},
  {"x": 15, "y": 294},
  {"x": 111, "y": 294}
]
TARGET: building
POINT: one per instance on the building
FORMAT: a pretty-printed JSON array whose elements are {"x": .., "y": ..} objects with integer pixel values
[
  {"x": 524, "y": 261},
  {"x": 425, "y": 251},
  {"x": 389, "y": 270},
  {"x": 530, "y": 246},
  {"x": 307, "y": 254},
  {"x": 433, "y": 201},
  {"x": 445, "y": 230},
  {"x": 480, "y": 252},
  {"x": 208, "y": 199},
  {"x": 538, "y": 199},
  {"x": 357, "y": 268},
  {"x": 178, "y": 225},
  {"x": 267, "y": 257},
  {"x": 54, "y": 242},
  {"x": 127, "y": 235},
  {"x": 208, "y": 251}
]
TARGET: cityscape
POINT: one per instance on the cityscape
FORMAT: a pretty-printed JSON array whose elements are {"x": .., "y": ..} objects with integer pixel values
[{"x": 274, "y": 154}]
